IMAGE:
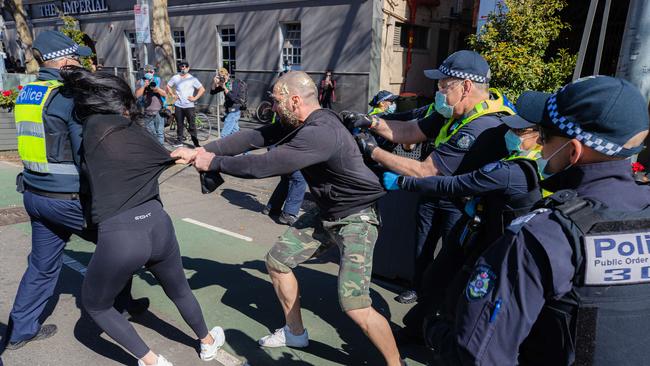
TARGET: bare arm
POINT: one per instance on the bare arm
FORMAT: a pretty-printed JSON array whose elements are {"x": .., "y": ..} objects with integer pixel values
[
  {"x": 405, "y": 166},
  {"x": 400, "y": 132},
  {"x": 199, "y": 94}
]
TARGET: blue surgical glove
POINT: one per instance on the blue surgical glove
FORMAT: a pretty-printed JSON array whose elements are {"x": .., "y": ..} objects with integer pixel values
[{"x": 390, "y": 181}]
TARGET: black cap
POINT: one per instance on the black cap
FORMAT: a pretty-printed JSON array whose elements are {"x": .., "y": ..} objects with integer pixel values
[
  {"x": 515, "y": 121},
  {"x": 183, "y": 63},
  {"x": 383, "y": 95},
  {"x": 462, "y": 64},
  {"x": 602, "y": 112},
  {"x": 53, "y": 44}
]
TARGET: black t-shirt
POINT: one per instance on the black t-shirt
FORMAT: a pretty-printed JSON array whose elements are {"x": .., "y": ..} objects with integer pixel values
[
  {"x": 121, "y": 162},
  {"x": 323, "y": 150}
]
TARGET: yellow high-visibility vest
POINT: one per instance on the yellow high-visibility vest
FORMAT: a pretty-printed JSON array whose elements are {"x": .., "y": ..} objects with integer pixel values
[
  {"x": 30, "y": 129},
  {"x": 487, "y": 106}
]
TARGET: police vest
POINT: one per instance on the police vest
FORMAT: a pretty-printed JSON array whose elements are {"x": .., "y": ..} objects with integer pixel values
[
  {"x": 30, "y": 109},
  {"x": 375, "y": 111},
  {"x": 605, "y": 318},
  {"x": 488, "y": 106}
]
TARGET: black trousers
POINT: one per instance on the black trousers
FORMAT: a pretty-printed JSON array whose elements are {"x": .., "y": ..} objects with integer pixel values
[
  {"x": 181, "y": 114},
  {"x": 141, "y": 236}
]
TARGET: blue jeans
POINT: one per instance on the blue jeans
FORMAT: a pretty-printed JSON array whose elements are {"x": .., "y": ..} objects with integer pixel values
[
  {"x": 231, "y": 123},
  {"x": 289, "y": 192},
  {"x": 156, "y": 125}
]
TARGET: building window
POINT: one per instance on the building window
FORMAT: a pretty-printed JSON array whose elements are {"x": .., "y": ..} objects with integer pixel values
[
  {"x": 420, "y": 36},
  {"x": 179, "y": 45},
  {"x": 228, "y": 48},
  {"x": 133, "y": 51},
  {"x": 291, "y": 46}
]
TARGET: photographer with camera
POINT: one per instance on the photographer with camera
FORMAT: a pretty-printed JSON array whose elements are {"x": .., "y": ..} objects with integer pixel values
[
  {"x": 235, "y": 92},
  {"x": 152, "y": 98}
]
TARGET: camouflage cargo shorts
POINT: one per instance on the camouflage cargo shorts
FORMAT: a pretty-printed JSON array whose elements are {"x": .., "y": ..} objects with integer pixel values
[{"x": 355, "y": 235}]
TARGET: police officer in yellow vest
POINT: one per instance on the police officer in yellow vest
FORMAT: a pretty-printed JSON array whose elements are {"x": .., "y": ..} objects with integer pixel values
[
  {"x": 49, "y": 139},
  {"x": 383, "y": 103},
  {"x": 468, "y": 134}
]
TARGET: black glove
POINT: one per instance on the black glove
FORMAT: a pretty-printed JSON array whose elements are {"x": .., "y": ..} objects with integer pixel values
[
  {"x": 367, "y": 143},
  {"x": 210, "y": 181},
  {"x": 353, "y": 120}
]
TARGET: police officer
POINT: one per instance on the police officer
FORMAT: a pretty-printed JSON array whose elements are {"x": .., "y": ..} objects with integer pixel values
[
  {"x": 467, "y": 130},
  {"x": 49, "y": 139},
  {"x": 383, "y": 103},
  {"x": 501, "y": 191},
  {"x": 568, "y": 283}
]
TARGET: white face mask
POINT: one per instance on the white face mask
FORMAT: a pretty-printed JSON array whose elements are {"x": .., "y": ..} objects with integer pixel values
[{"x": 541, "y": 162}]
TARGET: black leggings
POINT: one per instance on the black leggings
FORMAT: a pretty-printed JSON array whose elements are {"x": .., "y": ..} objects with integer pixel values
[
  {"x": 181, "y": 114},
  {"x": 141, "y": 236}
]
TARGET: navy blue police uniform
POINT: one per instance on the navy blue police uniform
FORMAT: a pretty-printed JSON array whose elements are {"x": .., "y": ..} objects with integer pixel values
[
  {"x": 568, "y": 283},
  {"x": 51, "y": 199},
  {"x": 457, "y": 148},
  {"x": 500, "y": 192}
]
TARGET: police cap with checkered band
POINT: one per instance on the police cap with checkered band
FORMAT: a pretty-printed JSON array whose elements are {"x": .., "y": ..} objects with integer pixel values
[
  {"x": 53, "y": 44},
  {"x": 462, "y": 64},
  {"x": 601, "y": 112}
]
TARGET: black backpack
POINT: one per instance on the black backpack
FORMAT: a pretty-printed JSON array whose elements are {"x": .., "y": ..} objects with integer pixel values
[{"x": 243, "y": 93}]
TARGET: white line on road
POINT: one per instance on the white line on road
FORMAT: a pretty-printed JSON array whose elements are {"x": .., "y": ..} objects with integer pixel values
[{"x": 217, "y": 229}]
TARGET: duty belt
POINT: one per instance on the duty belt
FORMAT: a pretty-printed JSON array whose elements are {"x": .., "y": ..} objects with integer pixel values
[{"x": 54, "y": 195}]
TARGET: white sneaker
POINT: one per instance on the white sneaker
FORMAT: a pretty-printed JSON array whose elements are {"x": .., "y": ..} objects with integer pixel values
[
  {"x": 161, "y": 362},
  {"x": 283, "y": 337},
  {"x": 209, "y": 351}
]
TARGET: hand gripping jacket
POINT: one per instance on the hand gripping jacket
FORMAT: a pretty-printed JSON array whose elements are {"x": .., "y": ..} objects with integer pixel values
[
  {"x": 605, "y": 317},
  {"x": 34, "y": 138}
]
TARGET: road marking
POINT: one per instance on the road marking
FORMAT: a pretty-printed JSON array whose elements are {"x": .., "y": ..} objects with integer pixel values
[
  {"x": 217, "y": 229},
  {"x": 74, "y": 265}
]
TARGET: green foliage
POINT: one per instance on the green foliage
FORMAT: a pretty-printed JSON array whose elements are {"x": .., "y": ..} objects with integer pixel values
[
  {"x": 71, "y": 30},
  {"x": 515, "y": 42}
]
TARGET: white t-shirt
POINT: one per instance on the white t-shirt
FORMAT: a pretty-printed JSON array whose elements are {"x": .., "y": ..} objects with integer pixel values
[{"x": 184, "y": 88}]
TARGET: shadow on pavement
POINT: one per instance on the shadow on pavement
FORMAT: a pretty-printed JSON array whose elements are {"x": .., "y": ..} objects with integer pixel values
[
  {"x": 89, "y": 334},
  {"x": 241, "y": 344},
  {"x": 256, "y": 300},
  {"x": 244, "y": 200}
]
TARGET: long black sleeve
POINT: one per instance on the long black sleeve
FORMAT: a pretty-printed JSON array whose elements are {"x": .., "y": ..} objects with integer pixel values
[
  {"x": 246, "y": 140},
  {"x": 305, "y": 149}
]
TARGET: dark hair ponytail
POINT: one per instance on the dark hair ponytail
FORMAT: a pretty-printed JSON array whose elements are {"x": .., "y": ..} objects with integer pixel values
[{"x": 98, "y": 93}]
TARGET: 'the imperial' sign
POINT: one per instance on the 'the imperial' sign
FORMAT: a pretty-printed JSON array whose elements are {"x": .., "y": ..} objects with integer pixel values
[{"x": 74, "y": 7}]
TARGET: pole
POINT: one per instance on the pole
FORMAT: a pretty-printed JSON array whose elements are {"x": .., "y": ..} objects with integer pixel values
[
  {"x": 585, "y": 39},
  {"x": 601, "y": 38}
]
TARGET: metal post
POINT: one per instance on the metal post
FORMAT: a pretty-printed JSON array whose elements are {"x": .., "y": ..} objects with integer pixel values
[
  {"x": 218, "y": 123},
  {"x": 601, "y": 38},
  {"x": 585, "y": 39}
]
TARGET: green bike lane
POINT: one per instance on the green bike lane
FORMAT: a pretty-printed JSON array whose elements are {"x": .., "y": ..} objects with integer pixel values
[{"x": 228, "y": 276}]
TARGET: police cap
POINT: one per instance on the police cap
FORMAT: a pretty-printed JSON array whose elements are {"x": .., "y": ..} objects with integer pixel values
[
  {"x": 53, "y": 44},
  {"x": 462, "y": 64},
  {"x": 601, "y": 112},
  {"x": 383, "y": 95}
]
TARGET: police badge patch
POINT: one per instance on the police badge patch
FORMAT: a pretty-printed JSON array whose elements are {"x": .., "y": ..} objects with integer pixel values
[
  {"x": 464, "y": 141},
  {"x": 480, "y": 283}
]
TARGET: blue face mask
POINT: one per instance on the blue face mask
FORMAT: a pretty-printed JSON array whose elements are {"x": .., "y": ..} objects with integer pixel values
[
  {"x": 391, "y": 108},
  {"x": 442, "y": 107},
  {"x": 148, "y": 76},
  {"x": 513, "y": 142},
  {"x": 541, "y": 163}
]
